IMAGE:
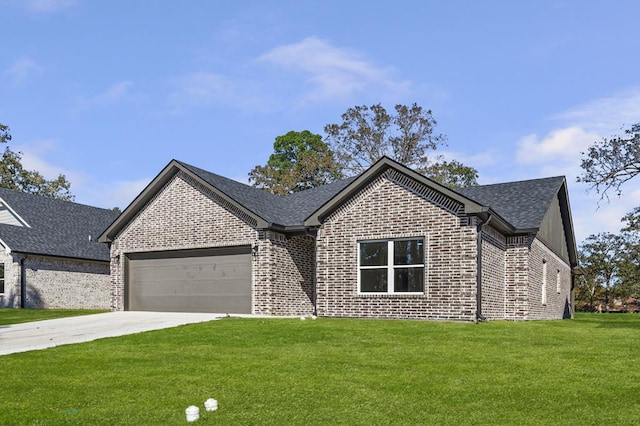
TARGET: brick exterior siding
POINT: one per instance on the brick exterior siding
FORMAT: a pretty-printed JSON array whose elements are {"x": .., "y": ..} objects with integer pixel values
[
  {"x": 388, "y": 209},
  {"x": 558, "y": 283},
  {"x": 493, "y": 273},
  {"x": 56, "y": 283},
  {"x": 186, "y": 215},
  {"x": 512, "y": 279}
]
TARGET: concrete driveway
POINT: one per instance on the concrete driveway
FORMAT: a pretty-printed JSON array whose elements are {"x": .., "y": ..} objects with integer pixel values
[{"x": 47, "y": 334}]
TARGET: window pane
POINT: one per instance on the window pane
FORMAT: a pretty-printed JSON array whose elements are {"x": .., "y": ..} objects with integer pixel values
[
  {"x": 408, "y": 252},
  {"x": 408, "y": 280},
  {"x": 373, "y": 254},
  {"x": 373, "y": 280}
]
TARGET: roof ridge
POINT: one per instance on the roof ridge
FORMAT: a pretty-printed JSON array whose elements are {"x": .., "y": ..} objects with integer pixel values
[{"x": 514, "y": 181}]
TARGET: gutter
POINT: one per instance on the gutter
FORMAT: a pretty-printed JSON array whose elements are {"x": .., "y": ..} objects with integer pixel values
[{"x": 479, "y": 316}]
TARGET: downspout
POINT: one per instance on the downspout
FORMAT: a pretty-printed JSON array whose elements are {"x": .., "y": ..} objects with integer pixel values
[
  {"x": 314, "y": 266},
  {"x": 479, "y": 316},
  {"x": 23, "y": 283}
]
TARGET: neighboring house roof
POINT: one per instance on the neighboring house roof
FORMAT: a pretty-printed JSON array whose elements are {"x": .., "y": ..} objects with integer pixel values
[
  {"x": 523, "y": 203},
  {"x": 515, "y": 207},
  {"x": 54, "y": 227}
]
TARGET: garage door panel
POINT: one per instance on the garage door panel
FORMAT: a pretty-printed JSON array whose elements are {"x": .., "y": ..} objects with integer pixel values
[{"x": 190, "y": 283}]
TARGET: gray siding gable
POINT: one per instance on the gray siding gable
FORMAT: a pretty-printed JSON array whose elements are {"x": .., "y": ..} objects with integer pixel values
[{"x": 523, "y": 204}]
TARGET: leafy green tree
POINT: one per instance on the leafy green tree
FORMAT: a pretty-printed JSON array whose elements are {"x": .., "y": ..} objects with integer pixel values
[
  {"x": 611, "y": 162},
  {"x": 407, "y": 135},
  {"x": 599, "y": 258},
  {"x": 301, "y": 160},
  {"x": 453, "y": 174},
  {"x": 14, "y": 176}
]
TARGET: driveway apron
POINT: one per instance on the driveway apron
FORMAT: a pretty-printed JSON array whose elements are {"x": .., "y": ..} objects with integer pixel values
[{"x": 63, "y": 331}]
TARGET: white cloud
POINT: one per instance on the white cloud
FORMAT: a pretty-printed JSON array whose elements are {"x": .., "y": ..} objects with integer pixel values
[
  {"x": 48, "y": 6},
  {"x": 114, "y": 94},
  {"x": 332, "y": 71},
  {"x": 605, "y": 116},
  {"x": 21, "y": 70},
  {"x": 559, "y": 147}
]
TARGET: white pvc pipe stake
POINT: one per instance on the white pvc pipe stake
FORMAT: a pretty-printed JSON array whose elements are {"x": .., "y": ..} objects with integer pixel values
[
  {"x": 211, "y": 404},
  {"x": 193, "y": 413}
]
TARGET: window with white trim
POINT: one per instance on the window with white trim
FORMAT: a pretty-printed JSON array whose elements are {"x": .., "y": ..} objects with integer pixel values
[
  {"x": 558, "y": 281},
  {"x": 391, "y": 266},
  {"x": 1, "y": 278}
]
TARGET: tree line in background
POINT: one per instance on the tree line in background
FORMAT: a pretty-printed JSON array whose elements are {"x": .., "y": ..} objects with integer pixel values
[
  {"x": 303, "y": 160},
  {"x": 611, "y": 261},
  {"x": 14, "y": 176}
]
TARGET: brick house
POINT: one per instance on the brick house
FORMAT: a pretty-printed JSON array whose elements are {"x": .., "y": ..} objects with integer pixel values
[
  {"x": 49, "y": 253},
  {"x": 389, "y": 243}
]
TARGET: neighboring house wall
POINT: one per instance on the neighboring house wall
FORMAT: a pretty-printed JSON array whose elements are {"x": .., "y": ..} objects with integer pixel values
[
  {"x": 56, "y": 283},
  {"x": 392, "y": 207},
  {"x": 11, "y": 296},
  {"x": 66, "y": 283},
  {"x": 493, "y": 273}
]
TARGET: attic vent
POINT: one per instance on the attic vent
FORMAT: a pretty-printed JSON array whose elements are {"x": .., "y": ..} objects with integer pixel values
[{"x": 434, "y": 196}]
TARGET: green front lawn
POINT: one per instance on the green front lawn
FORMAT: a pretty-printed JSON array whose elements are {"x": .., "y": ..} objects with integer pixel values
[
  {"x": 338, "y": 372},
  {"x": 15, "y": 316}
]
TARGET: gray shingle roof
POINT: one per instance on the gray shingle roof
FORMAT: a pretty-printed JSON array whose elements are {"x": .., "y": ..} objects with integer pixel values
[
  {"x": 290, "y": 210},
  {"x": 58, "y": 228},
  {"x": 523, "y": 204}
]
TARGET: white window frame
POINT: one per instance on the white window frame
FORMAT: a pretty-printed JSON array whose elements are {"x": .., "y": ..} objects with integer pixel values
[
  {"x": 391, "y": 267},
  {"x": 2, "y": 279},
  {"x": 558, "y": 287}
]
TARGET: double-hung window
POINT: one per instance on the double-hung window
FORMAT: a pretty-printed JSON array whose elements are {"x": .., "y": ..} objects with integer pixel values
[
  {"x": 1, "y": 278},
  {"x": 391, "y": 266}
]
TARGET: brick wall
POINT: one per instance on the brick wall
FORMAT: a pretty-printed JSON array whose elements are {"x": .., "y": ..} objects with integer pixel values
[
  {"x": 558, "y": 283},
  {"x": 389, "y": 208},
  {"x": 185, "y": 214},
  {"x": 525, "y": 258},
  {"x": 517, "y": 278},
  {"x": 285, "y": 273},
  {"x": 493, "y": 273},
  {"x": 11, "y": 296},
  {"x": 56, "y": 283},
  {"x": 182, "y": 215},
  {"x": 66, "y": 283}
]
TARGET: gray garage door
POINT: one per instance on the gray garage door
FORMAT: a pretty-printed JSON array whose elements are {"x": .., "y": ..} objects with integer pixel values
[{"x": 211, "y": 280}]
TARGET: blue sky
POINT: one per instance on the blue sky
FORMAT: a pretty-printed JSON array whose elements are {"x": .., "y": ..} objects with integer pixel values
[{"x": 108, "y": 92}]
